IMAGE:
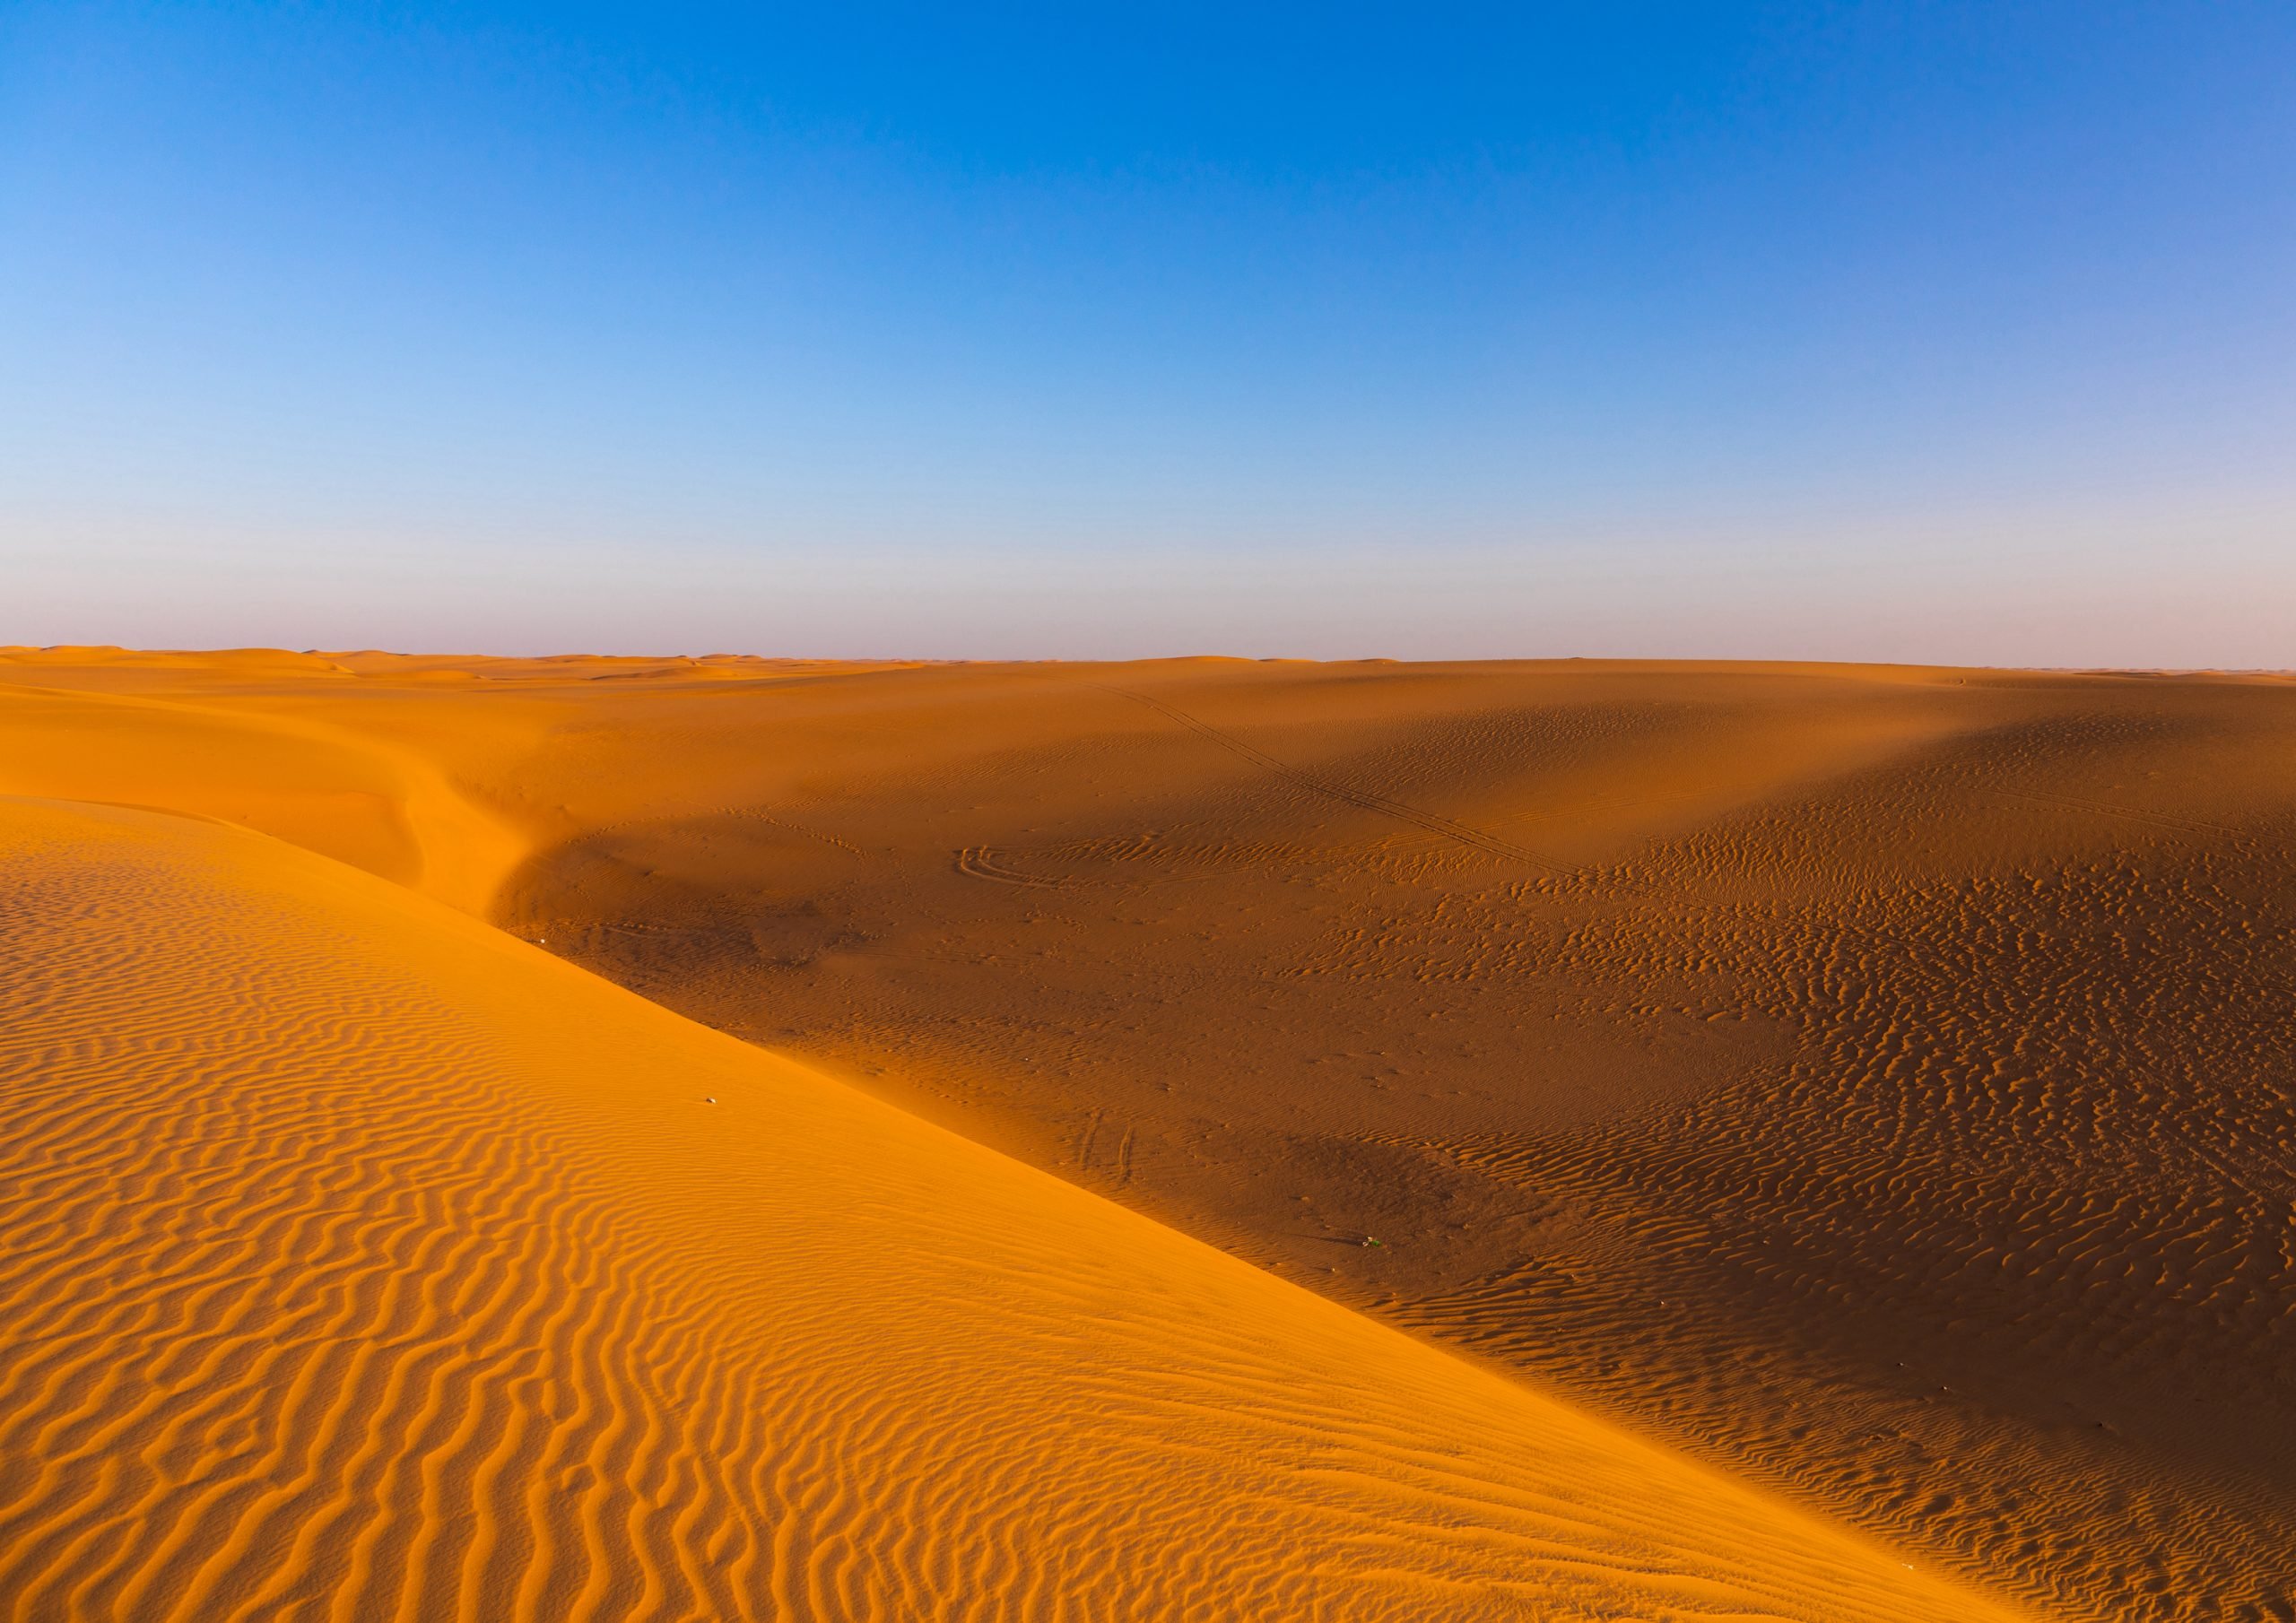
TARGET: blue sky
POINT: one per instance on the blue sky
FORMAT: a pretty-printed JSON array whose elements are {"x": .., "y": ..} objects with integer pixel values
[{"x": 1952, "y": 332}]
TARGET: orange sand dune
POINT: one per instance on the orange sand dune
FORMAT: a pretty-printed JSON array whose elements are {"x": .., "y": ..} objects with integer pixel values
[
  {"x": 362, "y": 1262},
  {"x": 1875, "y": 1082}
]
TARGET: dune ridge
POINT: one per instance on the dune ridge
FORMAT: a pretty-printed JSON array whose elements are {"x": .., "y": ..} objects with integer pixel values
[{"x": 364, "y": 1263}]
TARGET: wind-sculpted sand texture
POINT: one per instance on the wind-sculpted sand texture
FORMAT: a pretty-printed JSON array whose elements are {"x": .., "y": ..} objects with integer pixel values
[
  {"x": 361, "y": 1262},
  {"x": 1876, "y": 1080}
]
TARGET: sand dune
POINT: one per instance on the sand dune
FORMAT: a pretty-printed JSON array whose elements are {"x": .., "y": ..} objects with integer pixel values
[
  {"x": 1873, "y": 1082},
  {"x": 362, "y": 1262},
  {"x": 347, "y": 794}
]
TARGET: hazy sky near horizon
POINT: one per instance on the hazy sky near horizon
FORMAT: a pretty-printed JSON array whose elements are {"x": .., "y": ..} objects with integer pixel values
[{"x": 1956, "y": 331}]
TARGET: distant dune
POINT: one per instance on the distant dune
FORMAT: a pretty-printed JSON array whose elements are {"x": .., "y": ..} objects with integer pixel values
[{"x": 1878, "y": 1082}]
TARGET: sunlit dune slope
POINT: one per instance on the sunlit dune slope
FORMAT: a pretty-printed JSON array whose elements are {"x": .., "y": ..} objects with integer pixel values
[{"x": 361, "y": 1262}]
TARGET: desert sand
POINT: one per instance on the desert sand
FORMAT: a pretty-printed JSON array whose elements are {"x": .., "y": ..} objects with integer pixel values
[{"x": 1555, "y": 1140}]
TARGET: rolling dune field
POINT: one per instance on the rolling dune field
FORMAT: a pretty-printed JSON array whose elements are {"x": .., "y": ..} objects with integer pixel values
[{"x": 1873, "y": 1084}]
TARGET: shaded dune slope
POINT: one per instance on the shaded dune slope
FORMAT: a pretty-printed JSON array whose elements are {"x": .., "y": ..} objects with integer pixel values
[{"x": 362, "y": 1262}]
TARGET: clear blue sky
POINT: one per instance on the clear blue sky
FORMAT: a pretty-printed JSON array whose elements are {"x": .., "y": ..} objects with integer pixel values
[{"x": 1945, "y": 330}]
